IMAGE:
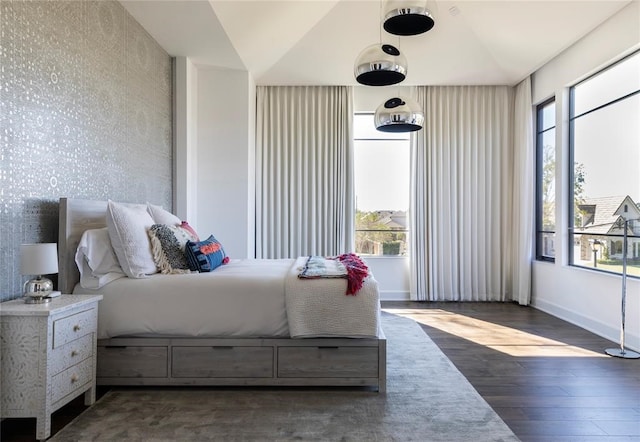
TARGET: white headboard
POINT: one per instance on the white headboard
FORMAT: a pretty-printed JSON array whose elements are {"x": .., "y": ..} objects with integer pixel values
[{"x": 76, "y": 216}]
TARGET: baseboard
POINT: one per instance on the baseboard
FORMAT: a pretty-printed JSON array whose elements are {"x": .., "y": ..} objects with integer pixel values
[
  {"x": 393, "y": 295},
  {"x": 593, "y": 325}
]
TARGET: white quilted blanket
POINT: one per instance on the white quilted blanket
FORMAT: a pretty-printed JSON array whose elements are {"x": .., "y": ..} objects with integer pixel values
[{"x": 321, "y": 308}]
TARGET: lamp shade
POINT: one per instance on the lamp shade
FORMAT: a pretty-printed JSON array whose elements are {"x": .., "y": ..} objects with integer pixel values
[
  {"x": 38, "y": 259},
  {"x": 399, "y": 114},
  {"x": 380, "y": 65},
  {"x": 407, "y": 17}
]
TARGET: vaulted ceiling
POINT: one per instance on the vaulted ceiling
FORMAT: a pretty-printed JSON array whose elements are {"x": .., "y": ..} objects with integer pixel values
[{"x": 307, "y": 42}]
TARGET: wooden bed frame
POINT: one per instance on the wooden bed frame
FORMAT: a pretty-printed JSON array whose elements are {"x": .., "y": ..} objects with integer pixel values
[{"x": 217, "y": 361}]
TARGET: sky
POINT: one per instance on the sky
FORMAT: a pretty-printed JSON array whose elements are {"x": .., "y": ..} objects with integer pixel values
[
  {"x": 611, "y": 153},
  {"x": 382, "y": 175},
  {"x": 607, "y": 141}
]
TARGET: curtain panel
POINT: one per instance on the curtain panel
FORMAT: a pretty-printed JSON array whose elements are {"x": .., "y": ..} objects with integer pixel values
[
  {"x": 304, "y": 171},
  {"x": 523, "y": 193},
  {"x": 468, "y": 173}
]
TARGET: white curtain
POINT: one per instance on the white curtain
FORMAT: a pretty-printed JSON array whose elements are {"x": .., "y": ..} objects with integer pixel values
[
  {"x": 468, "y": 178},
  {"x": 523, "y": 193},
  {"x": 304, "y": 171}
]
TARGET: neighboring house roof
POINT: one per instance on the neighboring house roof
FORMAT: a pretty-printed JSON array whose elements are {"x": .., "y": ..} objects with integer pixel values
[
  {"x": 628, "y": 209},
  {"x": 393, "y": 219},
  {"x": 600, "y": 215}
]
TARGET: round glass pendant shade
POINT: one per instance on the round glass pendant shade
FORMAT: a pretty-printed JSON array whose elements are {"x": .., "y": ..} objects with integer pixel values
[
  {"x": 407, "y": 17},
  {"x": 380, "y": 65},
  {"x": 399, "y": 114}
]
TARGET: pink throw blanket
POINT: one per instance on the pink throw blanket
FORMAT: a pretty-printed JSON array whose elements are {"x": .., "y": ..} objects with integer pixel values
[{"x": 357, "y": 270}]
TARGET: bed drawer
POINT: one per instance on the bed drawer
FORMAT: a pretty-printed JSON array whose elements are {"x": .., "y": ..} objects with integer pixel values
[
  {"x": 73, "y": 327},
  {"x": 222, "y": 362},
  {"x": 336, "y": 362},
  {"x": 132, "y": 362}
]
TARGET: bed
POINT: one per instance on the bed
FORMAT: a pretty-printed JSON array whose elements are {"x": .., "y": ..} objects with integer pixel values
[{"x": 152, "y": 332}]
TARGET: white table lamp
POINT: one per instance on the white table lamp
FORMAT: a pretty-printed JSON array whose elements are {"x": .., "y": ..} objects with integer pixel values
[{"x": 37, "y": 260}]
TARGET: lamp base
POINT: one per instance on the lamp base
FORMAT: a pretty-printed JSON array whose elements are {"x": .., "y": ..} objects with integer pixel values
[
  {"x": 37, "y": 291},
  {"x": 37, "y": 300},
  {"x": 619, "y": 353}
]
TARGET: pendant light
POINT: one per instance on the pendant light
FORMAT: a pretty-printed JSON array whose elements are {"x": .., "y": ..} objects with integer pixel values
[
  {"x": 407, "y": 17},
  {"x": 399, "y": 114},
  {"x": 384, "y": 65},
  {"x": 380, "y": 65}
]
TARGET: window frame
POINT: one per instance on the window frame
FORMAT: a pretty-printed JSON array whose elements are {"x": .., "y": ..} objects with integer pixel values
[
  {"x": 540, "y": 131},
  {"x": 384, "y": 136},
  {"x": 571, "y": 164}
]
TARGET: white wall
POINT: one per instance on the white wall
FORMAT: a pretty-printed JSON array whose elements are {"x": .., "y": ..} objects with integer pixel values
[
  {"x": 250, "y": 228},
  {"x": 225, "y": 145},
  {"x": 392, "y": 274},
  {"x": 184, "y": 142},
  {"x": 584, "y": 297},
  {"x": 214, "y": 176},
  {"x": 214, "y": 151}
]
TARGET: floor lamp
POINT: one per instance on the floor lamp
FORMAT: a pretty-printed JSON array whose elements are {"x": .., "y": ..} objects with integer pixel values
[{"x": 622, "y": 352}]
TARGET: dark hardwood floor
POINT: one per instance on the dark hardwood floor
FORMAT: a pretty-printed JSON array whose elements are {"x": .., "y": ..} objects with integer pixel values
[{"x": 547, "y": 379}]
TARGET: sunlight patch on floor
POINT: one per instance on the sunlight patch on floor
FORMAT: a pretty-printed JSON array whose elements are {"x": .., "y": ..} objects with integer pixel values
[{"x": 497, "y": 337}]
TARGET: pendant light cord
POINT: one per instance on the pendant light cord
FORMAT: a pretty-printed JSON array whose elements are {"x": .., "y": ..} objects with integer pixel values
[{"x": 380, "y": 21}]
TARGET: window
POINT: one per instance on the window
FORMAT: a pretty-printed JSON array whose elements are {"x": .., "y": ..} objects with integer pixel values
[
  {"x": 382, "y": 189},
  {"x": 605, "y": 168},
  {"x": 545, "y": 179}
]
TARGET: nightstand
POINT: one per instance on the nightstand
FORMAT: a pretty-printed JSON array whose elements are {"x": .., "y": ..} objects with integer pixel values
[{"x": 47, "y": 356}]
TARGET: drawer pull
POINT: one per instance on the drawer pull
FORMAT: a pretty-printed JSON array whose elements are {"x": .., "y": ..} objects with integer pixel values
[
  {"x": 222, "y": 347},
  {"x": 74, "y": 353},
  {"x": 327, "y": 347},
  {"x": 74, "y": 378},
  {"x": 115, "y": 346},
  {"x": 76, "y": 328}
]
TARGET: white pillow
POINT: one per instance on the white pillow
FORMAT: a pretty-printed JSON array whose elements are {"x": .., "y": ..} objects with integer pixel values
[
  {"x": 96, "y": 260},
  {"x": 127, "y": 225},
  {"x": 161, "y": 216}
]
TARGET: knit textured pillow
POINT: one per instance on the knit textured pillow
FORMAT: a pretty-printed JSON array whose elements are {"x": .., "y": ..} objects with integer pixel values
[
  {"x": 205, "y": 256},
  {"x": 168, "y": 247}
]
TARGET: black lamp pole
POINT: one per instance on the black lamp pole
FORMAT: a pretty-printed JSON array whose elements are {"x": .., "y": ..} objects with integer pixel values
[{"x": 594, "y": 249}]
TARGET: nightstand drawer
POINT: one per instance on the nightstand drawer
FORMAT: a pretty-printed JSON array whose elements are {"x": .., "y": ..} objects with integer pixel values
[
  {"x": 71, "y": 353},
  {"x": 71, "y": 379},
  {"x": 73, "y": 327}
]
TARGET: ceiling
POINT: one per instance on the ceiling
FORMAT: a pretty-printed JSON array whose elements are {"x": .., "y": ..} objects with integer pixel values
[{"x": 307, "y": 42}]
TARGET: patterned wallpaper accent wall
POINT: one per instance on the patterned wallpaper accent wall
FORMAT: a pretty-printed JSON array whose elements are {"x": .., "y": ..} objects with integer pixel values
[{"x": 85, "y": 113}]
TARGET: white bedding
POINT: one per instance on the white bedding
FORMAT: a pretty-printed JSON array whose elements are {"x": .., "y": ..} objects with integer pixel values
[
  {"x": 321, "y": 308},
  {"x": 217, "y": 305}
]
